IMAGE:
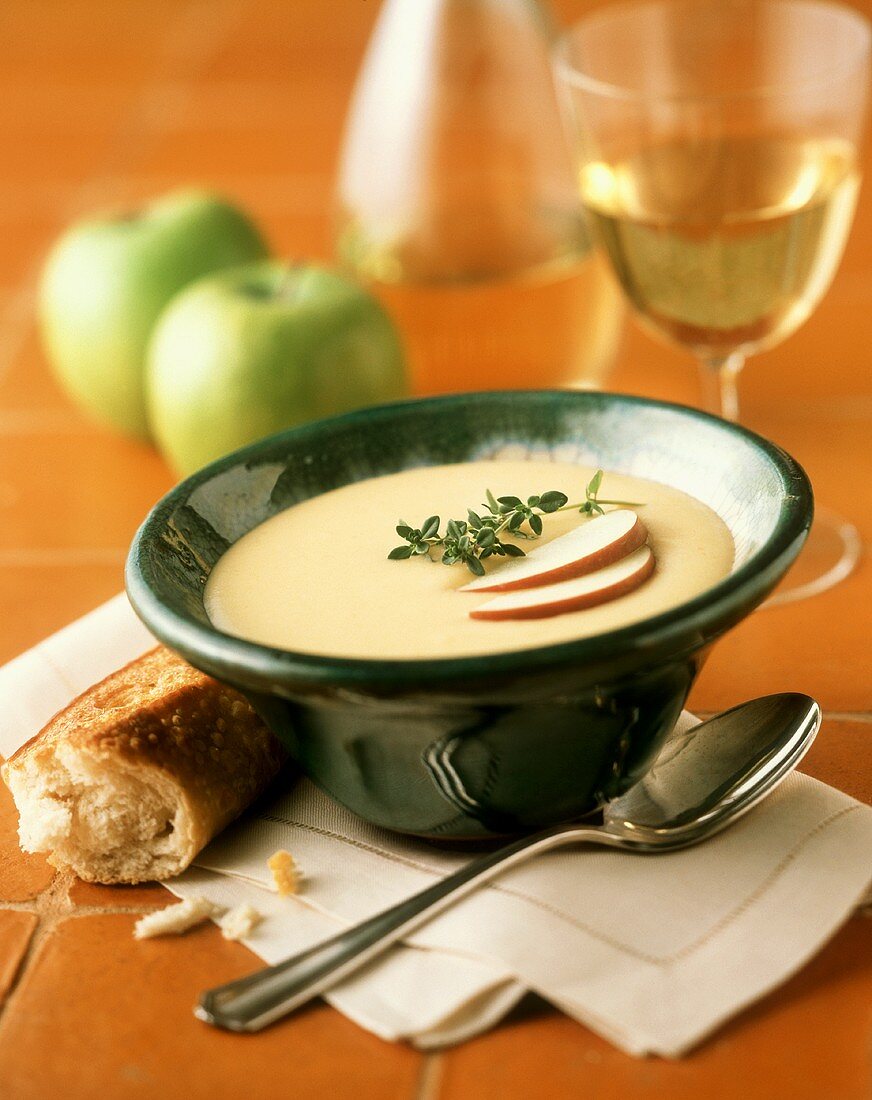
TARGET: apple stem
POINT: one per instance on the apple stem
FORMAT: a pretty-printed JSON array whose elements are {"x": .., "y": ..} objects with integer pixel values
[{"x": 291, "y": 286}]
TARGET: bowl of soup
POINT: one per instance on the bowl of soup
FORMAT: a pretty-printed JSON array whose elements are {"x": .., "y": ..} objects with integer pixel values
[{"x": 317, "y": 572}]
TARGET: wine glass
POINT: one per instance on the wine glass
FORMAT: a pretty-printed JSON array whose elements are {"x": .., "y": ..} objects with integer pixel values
[{"x": 717, "y": 148}]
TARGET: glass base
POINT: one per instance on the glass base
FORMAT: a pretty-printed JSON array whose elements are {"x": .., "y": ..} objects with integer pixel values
[{"x": 830, "y": 554}]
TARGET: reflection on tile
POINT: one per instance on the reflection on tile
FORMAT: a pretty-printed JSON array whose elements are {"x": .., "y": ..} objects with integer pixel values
[{"x": 819, "y": 647}]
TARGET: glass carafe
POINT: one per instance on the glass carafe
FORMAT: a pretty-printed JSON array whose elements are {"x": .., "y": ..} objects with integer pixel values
[{"x": 457, "y": 205}]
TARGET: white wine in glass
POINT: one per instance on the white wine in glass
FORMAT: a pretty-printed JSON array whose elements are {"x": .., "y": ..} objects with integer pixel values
[
  {"x": 726, "y": 247},
  {"x": 717, "y": 150}
]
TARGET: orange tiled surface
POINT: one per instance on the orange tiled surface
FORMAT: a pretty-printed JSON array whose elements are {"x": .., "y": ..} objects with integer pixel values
[{"x": 103, "y": 102}]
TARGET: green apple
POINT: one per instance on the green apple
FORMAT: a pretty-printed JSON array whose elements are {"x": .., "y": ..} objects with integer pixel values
[
  {"x": 108, "y": 279},
  {"x": 255, "y": 349}
]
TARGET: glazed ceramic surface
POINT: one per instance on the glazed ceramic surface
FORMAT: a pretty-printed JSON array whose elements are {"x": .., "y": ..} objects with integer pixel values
[{"x": 475, "y": 746}]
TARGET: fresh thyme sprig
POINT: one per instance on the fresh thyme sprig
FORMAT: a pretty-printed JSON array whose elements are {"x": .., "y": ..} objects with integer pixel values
[{"x": 476, "y": 538}]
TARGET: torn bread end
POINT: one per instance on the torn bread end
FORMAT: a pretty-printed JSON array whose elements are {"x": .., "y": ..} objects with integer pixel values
[{"x": 131, "y": 779}]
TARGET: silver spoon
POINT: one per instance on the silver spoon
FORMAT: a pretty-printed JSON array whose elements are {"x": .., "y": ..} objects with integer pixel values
[{"x": 702, "y": 781}]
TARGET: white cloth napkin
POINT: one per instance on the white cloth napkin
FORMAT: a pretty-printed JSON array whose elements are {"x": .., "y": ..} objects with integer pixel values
[{"x": 651, "y": 952}]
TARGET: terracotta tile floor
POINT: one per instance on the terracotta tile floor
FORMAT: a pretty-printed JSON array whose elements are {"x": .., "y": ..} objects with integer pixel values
[
  {"x": 91, "y": 986},
  {"x": 104, "y": 103},
  {"x": 16, "y": 930}
]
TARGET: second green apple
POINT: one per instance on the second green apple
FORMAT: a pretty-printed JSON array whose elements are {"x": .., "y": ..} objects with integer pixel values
[{"x": 252, "y": 350}]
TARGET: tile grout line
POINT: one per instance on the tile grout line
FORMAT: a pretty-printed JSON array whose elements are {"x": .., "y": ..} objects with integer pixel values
[
  {"x": 18, "y": 974},
  {"x": 299, "y": 195},
  {"x": 50, "y": 906},
  {"x": 42, "y": 420},
  {"x": 429, "y": 1083},
  {"x": 61, "y": 556},
  {"x": 83, "y": 910}
]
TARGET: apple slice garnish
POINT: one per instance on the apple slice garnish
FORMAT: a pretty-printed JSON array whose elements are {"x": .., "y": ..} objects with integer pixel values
[
  {"x": 604, "y": 584},
  {"x": 592, "y": 545}
]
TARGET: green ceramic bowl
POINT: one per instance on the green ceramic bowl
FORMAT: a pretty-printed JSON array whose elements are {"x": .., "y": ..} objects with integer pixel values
[{"x": 475, "y": 746}]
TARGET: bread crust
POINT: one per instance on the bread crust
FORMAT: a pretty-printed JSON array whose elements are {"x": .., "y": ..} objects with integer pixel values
[{"x": 163, "y": 722}]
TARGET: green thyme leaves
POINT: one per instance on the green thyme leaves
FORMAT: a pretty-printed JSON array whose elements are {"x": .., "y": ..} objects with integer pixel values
[{"x": 471, "y": 541}]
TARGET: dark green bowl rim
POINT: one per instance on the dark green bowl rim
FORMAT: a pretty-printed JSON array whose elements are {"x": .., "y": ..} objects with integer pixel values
[{"x": 697, "y": 618}]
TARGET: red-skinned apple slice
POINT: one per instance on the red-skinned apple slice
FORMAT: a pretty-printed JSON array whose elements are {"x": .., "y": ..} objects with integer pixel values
[
  {"x": 592, "y": 545},
  {"x": 605, "y": 584}
]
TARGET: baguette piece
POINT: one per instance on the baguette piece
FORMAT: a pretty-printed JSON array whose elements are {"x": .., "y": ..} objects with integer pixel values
[{"x": 132, "y": 779}]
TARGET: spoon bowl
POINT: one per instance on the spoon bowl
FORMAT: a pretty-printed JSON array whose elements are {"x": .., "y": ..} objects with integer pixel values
[
  {"x": 712, "y": 773},
  {"x": 704, "y": 779}
]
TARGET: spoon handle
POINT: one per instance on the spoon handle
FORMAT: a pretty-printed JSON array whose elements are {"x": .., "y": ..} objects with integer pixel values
[{"x": 251, "y": 1003}]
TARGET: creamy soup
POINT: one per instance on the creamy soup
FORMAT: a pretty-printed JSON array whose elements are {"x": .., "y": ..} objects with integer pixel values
[{"x": 316, "y": 578}]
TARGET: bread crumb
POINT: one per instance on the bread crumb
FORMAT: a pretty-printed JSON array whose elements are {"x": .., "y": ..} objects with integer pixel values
[
  {"x": 286, "y": 875},
  {"x": 239, "y": 922},
  {"x": 175, "y": 919}
]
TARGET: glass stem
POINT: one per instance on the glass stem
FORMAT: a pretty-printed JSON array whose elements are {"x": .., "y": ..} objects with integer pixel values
[{"x": 719, "y": 376}]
